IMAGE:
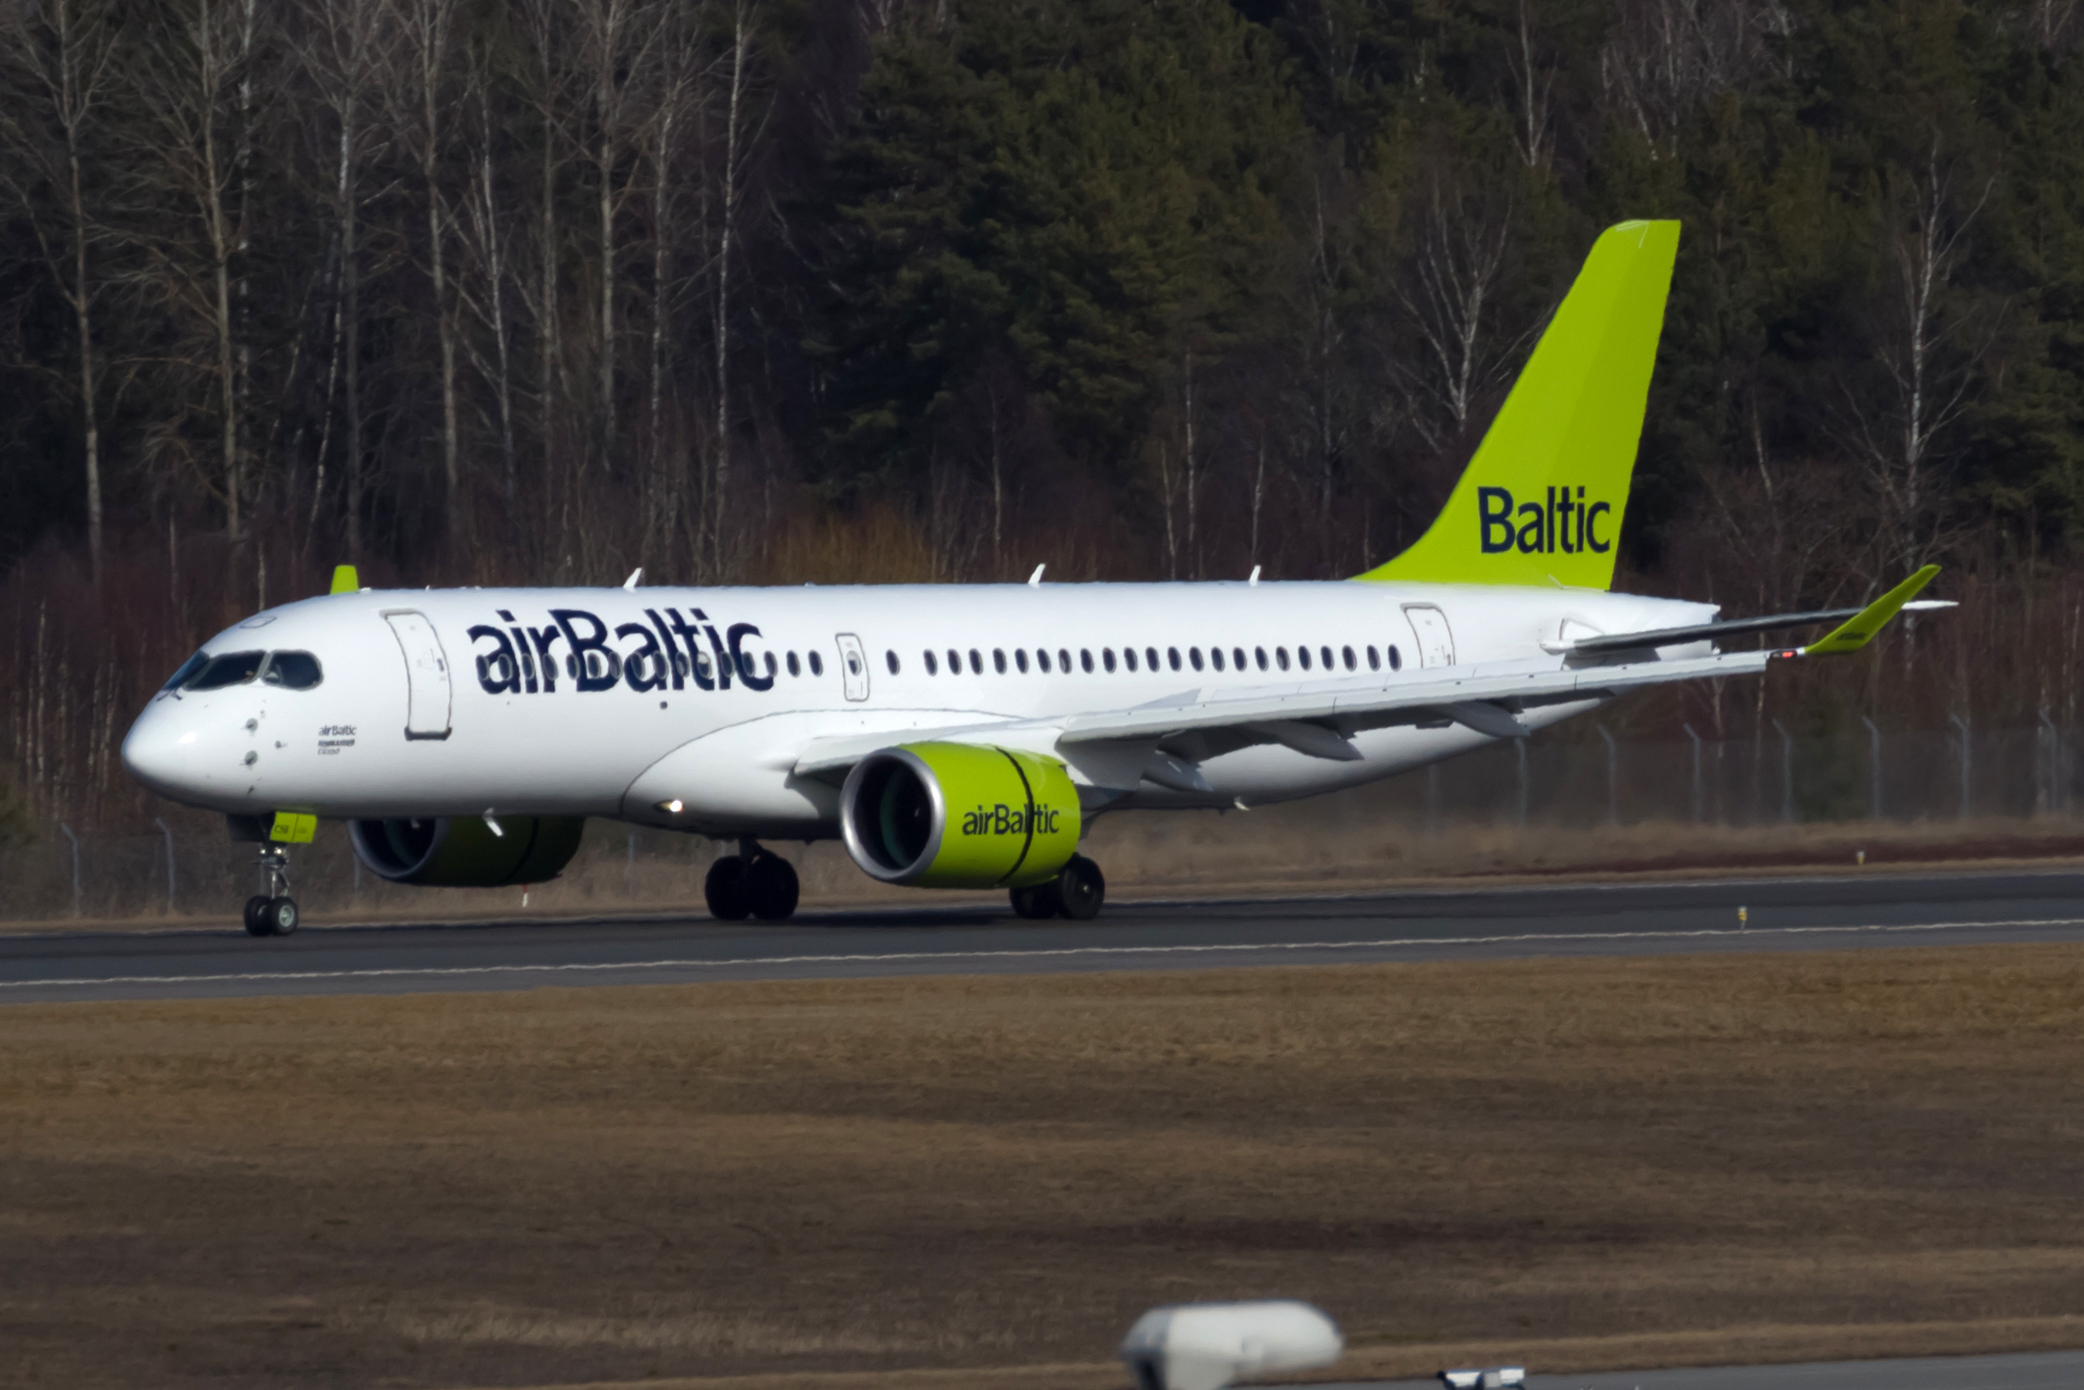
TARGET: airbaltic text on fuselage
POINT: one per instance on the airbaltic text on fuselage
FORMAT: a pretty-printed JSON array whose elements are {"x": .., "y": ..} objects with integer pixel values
[
  {"x": 1564, "y": 524},
  {"x": 666, "y": 651},
  {"x": 1011, "y": 820}
]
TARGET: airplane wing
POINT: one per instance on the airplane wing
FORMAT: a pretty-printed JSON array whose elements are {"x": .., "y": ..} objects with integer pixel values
[{"x": 1321, "y": 718}]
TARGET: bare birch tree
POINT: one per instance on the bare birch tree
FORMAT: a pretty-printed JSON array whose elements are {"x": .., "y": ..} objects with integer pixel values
[
  {"x": 1451, "y": 303},
  {"x": 487, "y": 245},
  {"x": 418, "y": 104},
  {"x": 53, "y": 80},
  {"x": 192, "y": 58}
]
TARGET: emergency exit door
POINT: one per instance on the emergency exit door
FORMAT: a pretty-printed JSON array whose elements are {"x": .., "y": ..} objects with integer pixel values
[
  {"x": 1435, "y": 641},
  {"x": 853, "y": 666}
]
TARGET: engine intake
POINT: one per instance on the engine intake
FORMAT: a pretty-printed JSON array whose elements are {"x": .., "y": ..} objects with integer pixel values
[
  {"x": 462, "y": 851},
  {"x": 955, "y": 815}
]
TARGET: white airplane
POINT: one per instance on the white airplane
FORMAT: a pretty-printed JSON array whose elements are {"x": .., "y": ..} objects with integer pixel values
[{"x": 959, "y": 736}]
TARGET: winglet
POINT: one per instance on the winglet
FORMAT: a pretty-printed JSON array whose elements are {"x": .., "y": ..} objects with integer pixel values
[
  {"x": 345, "y": 580},
  {"x": 1860, "y": 629}
]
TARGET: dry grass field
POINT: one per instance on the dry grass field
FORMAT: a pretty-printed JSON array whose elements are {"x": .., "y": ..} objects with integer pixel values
[{"x": 1580, "y": 1163}]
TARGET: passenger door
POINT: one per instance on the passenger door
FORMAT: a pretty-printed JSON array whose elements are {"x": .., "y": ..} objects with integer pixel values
[
  {"x": 853, "y": 665},
  {"x": 1435, "y": 642},
  {"x": 426, "y": 675}
]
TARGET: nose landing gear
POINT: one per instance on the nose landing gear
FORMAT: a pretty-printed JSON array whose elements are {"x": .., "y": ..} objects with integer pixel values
[
  {"x": 273, "y": 913},
  {"x": 751, "y": 883}
]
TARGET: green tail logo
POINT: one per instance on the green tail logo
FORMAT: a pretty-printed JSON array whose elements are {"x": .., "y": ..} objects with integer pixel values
[{"x": 1541, "y": 502}]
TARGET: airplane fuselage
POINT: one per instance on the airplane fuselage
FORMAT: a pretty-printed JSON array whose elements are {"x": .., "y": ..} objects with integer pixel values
[{"x": 625, "y": 702}]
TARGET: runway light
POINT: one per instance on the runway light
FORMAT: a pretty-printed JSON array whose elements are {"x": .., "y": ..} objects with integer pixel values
[
  {"x": 1497, "y": 1378},
  {"x": 1205, "y": 1346}
]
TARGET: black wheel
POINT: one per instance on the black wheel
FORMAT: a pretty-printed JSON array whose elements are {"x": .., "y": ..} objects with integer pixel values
[
  {"x": 1080, "y": 889},
  {"x": 282, "y": 916},
  {"x": 256, "y": 917},
  {"x": 771, "y": 888},
  {"x": 725, "y": 889},
  {"x": 1037, "y": 901}
]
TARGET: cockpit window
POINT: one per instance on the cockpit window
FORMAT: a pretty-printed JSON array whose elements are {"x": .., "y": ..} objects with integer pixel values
[
  {"x": 188, "y": 668},
  {"x": 293, "y": 671},
  {"x": 233, "y": 668}
]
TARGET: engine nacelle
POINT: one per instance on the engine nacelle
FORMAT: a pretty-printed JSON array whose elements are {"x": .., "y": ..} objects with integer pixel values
[
  {"x": 462, "y": 851},
  {"x": 955, "y": 815}
]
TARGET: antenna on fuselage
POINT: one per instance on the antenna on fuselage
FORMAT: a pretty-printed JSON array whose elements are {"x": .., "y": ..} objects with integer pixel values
[
  {"x": 635, "y": 575},
  {"x": 1035, "y": 579}
]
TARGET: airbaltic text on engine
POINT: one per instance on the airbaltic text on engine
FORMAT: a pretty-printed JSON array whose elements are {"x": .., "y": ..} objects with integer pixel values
[{"x": 1011, "y": 820}]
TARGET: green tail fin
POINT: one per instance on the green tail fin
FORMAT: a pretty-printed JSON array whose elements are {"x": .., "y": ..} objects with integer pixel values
[{"x": 1541, "y": 501}]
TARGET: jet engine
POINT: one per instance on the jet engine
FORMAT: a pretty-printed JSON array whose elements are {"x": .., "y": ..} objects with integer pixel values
[
  {"x": 464, "y": 852},
  {"x": 955, "y": 815}
]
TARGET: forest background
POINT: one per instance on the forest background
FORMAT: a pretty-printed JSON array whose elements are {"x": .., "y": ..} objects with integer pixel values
[{"x": 542, "y": 291}]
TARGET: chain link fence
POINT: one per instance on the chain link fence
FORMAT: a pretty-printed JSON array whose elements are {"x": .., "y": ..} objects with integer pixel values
[{"x": 1580, "y": 778}]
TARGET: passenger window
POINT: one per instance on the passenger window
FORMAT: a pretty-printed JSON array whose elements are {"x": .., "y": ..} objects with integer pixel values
[
  {"x": 954, "y": 662},
  {"x": 1107, "y": 659},
  {"x": 1396, "y": 661},
  {"x": 1194, "y": 655},
  {"x": 1150, "y": 657},
  {"x": 1237, "y": 657},
  {"x": 1215, "y": 656},
  {"x": 933, "y": 668},
  {"x": 1374, "y": 660},
  {"x": 1325, "y": 652},
  {"x": 1020, "y": 659},
  {"x": 236, "y": 668},
  {"x": 1302, "y": 657},
  {"x": 1063, "y": 660},
  {"x": 293, "y": 671},
  {"x": 1172, "y": 656},
  {"x": 890, "y": 660},
  {"x": 1281, "y": 657},
  {"x": 795, "y": 666},
  {"x": 817, "y": 664},
  {"x": 1346, "y": 655},
  {"x": 1259, "y": 653},
  {"x": 1085, "y": 659},
  {"x": 770, "y": 665},
  {"x": 998, "y": 660},
  {"x": 1042, "y": 659},
  {"x": 1129, "y": 657},
  {"x": 976, "y": 663}
]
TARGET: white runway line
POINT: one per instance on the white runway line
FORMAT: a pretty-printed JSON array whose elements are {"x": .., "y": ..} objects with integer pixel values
[{"x": 894, "y": 957}]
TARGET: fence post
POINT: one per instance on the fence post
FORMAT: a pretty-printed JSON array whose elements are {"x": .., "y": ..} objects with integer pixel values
[
  {"x": 169, "y": 861},
  {"x": 1696, "y": 773},
  {"x": 2051, "y": 758},
  {"x": 1613, "y": 777},
  {"x": 1873, "y": 768},
  {"x": 75, "y": 866},
  {"x": 1962, "y": 724},
  {"x": 1520, "y": 747},
  {"x": 1787, "y": 774}
]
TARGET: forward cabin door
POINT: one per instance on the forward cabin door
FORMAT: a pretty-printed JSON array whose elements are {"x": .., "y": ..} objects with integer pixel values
[
  {"x": 426, "y": 675},
  {"x": 853, "y": 665},
  {"x": 1435, "y": 642}
]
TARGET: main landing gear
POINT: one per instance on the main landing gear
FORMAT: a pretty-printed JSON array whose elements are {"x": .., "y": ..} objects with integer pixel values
[
  {"x": 751, "y": 883},
  {"x": 273, "y": 913},
  {"x": 1076, "y": 892}
]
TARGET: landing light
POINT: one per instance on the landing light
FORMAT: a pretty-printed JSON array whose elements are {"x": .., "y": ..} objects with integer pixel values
[{"x": 671, "y": 808}]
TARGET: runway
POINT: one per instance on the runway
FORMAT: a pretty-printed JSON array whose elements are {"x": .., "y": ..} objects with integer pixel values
[
  {"x": 1807, "y": 913},
  {"x": 2055, "y": 1370}
]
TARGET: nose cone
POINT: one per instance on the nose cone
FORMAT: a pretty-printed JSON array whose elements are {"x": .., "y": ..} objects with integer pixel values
[{"x": 155, "y": 751}]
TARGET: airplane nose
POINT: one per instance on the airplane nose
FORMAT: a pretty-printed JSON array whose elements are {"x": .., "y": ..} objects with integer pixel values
[{"x": 155, "y": 752}]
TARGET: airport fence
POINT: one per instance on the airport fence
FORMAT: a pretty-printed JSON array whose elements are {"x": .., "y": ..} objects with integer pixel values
[{"x": 1579, "y": 778}]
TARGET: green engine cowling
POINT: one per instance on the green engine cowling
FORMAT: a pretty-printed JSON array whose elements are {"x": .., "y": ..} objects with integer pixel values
[
  {"x": 462, "y": 851},
  {"x": 955, "y": 815}
]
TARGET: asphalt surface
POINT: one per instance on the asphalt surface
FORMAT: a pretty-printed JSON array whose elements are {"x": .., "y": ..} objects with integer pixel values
[
  {"x": 2055, "y": 1370},
  {"x": 1809, "y": 913}
]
